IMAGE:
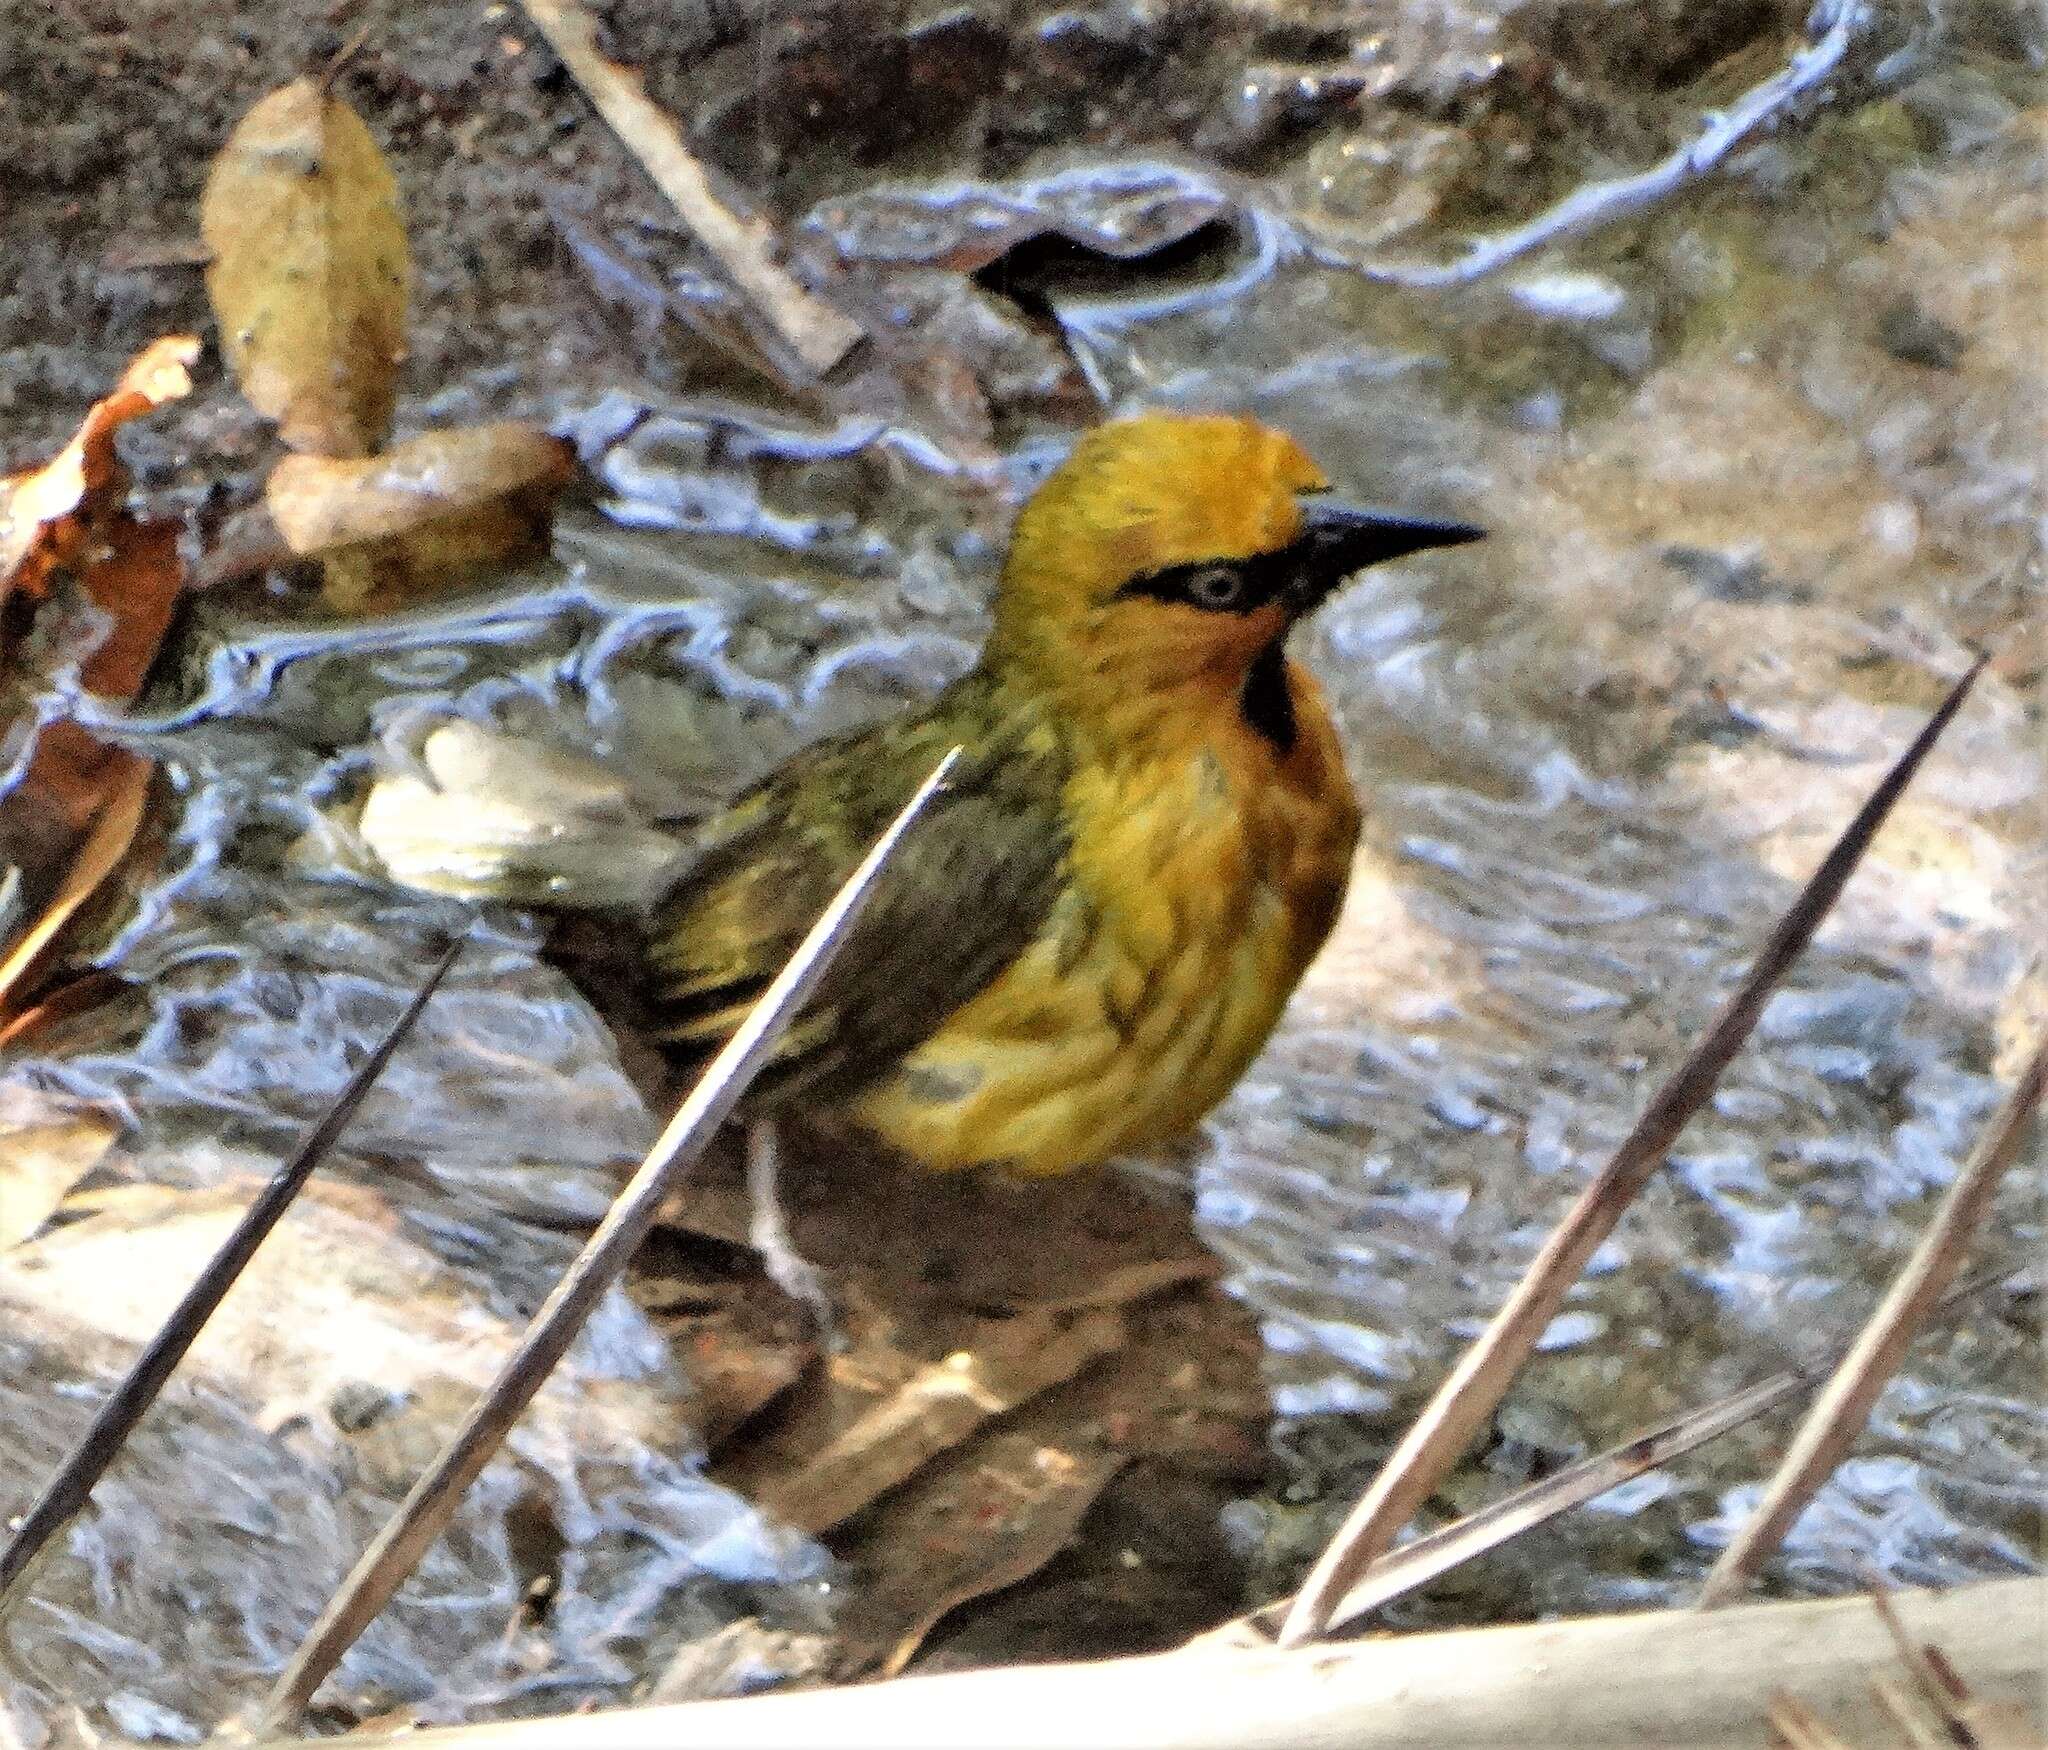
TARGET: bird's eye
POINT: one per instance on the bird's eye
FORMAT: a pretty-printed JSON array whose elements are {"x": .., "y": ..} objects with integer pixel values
[{"x": 1214, "y": 586}]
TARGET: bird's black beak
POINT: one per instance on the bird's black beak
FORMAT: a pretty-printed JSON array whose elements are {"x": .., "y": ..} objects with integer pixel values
[{"x": 1338, "y": 539}]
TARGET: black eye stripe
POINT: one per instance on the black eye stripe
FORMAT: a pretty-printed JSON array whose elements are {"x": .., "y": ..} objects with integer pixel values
[{"x": 1259, "y": 580}]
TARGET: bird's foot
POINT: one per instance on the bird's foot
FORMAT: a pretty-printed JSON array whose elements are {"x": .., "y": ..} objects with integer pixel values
[{"x": 768, "y": 1233}]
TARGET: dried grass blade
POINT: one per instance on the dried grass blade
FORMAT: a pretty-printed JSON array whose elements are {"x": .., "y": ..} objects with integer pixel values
[
  {"x": 426, "y": 1510},
  {"x": 1844, "y": 1405},
  {"x": 1483, "y": 1373},
  {"x": 68, "y": 1490},
  {"x": 1401, "y": 1571}
]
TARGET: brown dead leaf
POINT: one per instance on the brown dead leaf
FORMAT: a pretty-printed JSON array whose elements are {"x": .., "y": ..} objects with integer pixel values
[
  {"x": 113, "y": 831},
  {"x": 53, "y": 1007},
  {"x": 975, "y": 1529},
  {"x": 74, "y": 814},
  {"x": 310, "y": 274},
  {"x": 735, "y": 1374},
  {"x": 45, "y": 512},
  {"x": 71, "y": 816},
  {"x": 134, "y": 579}
]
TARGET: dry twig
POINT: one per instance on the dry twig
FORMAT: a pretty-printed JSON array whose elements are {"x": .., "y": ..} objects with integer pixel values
[
  {"x": 821, "y": 335},
  {"x": 1844, "y": 1406},
  {"x": 130, "y": 1400},
  {"x": 425, "y": 1512},
  {"x": 1466, "y": 1399}
]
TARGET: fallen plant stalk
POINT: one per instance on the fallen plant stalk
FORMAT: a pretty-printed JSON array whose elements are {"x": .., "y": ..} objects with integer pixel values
[
  {"x": 821, "y": 335},
  {"x": 1468, "y": 1397},
  {"x": 129, "y": 1401},
  {"x": 1653, "y": 1680},
  {"x": 426, "y": 1510},
  {"x": 1843, "y": 1407}
]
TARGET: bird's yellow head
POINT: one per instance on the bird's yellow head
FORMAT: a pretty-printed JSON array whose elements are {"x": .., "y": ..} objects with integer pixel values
[{"x": 1175, "y": 550}]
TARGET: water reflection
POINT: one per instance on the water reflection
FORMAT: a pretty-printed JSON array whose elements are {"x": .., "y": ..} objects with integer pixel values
[{"x": 1747, "y": 516}]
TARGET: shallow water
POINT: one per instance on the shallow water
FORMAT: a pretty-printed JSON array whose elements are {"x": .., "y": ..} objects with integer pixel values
[{"x": 1743, "y": 531}]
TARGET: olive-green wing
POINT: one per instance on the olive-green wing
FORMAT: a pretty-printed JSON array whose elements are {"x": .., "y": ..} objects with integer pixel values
[{"x": 966, "y": 892}]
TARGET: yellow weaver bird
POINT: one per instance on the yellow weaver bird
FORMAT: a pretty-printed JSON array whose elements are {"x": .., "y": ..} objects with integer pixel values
[{"x": 1095, "y": 925}]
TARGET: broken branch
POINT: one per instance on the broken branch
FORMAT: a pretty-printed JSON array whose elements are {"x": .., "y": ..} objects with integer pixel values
[{"x": 1658, "y": 1677}]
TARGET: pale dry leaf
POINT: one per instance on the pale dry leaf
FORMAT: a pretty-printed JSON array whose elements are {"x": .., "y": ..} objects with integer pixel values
[
  {"x": 309, "y": 275},
  {"x": 497, "y": 817},
  {"x": 320, "y": 503},
  {"x": 39, "y": 1163},
  {"x": 439, "y": 507}
]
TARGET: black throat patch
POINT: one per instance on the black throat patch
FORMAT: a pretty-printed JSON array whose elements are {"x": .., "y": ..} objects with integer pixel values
[{"x": 1266, "y": 699}]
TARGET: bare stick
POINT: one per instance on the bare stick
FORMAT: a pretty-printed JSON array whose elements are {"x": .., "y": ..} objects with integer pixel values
[
  {"x": 1835, "y": 1420},
  {"x": 821, "y": 335},
  {"x": 425, "y": 1512},
  {"x": 1484, "y": 1372},
  {"x": 1656, "y": 1677},
  {"x": 1401, "y": 1571},
  {"x": 69, "y": 1489}
]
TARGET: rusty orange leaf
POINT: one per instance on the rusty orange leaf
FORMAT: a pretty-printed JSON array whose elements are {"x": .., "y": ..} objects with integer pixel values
[
  {"x": 71, "y": 816},
  {"x": 42, "y": 510}
]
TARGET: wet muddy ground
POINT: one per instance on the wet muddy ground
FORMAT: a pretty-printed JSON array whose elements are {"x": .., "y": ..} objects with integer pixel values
[{"x": 1761, "y": 462}]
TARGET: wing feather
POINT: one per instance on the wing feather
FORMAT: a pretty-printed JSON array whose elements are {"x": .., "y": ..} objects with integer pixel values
[{"x": 968, "y": 891}]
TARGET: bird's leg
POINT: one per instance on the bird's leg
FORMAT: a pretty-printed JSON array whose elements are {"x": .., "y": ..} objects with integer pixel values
[{"x": 768, "y": 1232}]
